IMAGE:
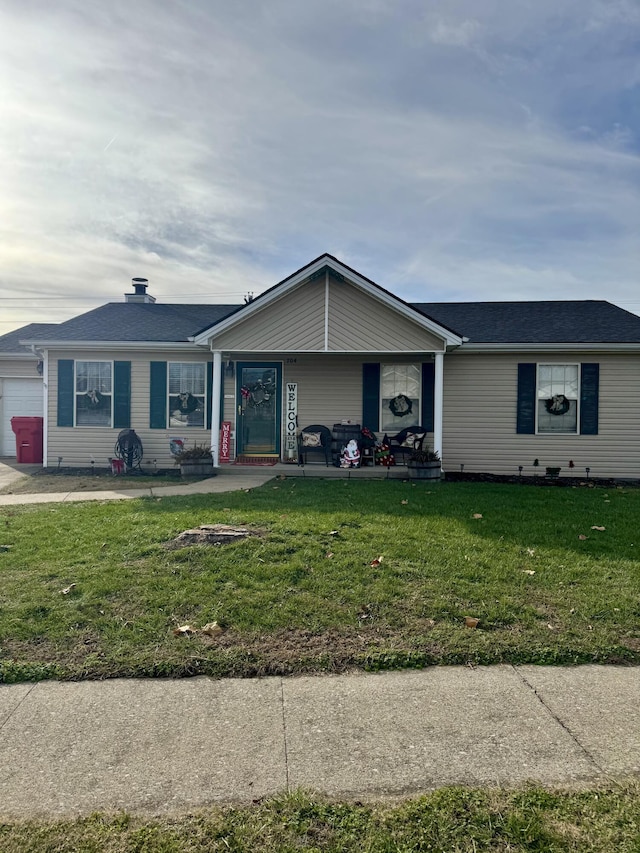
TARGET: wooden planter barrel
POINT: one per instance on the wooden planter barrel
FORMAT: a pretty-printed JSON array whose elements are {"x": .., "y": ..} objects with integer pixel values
[
  {"x": 424, "y": 470},
  {"x": 197, "y": 468}
]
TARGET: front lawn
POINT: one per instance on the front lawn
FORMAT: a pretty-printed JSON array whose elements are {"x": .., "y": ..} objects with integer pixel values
[{"x": 344, "y": 573}]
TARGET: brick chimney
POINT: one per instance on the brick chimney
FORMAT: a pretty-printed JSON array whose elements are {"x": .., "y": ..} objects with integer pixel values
[{"x": 140, "y": 291}]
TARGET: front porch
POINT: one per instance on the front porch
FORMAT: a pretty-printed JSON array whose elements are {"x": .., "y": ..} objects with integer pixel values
[{"x": 281, "y": 469}]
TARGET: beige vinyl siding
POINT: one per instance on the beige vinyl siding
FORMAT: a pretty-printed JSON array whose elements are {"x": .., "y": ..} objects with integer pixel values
[
  {"x": 18, "y": 368},
  {"x": 360, "y": 323},
  {"x": 76, "y": 445},
  {"x": 479, "y": 424},
  {"x": 295, "y": 323},
  {"x": 354, "y": 322}
]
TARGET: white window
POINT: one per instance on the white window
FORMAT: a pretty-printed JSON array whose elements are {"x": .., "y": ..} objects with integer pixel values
[
  {"x": 187, "y": 394},
  {"x": 558, "y": 395},
  {"x": 400, "y": 396},
  {"x": 94, "y": 381}
]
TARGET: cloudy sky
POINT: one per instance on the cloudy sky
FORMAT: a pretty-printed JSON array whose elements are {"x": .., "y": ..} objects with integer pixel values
[{"x": 447, "y": 149}]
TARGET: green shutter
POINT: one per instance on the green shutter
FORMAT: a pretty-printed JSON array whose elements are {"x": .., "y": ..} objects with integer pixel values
[
  {"x": 371, "y": 395},
  {"x": 65, "y": 392},
  {"x": 158, "y": 395},
  {"x": 121, "y": 394},
  {"x": 589, "y": 392},
  {"x": 526, "y": 420},
  {"x": 428, "y": 385}
]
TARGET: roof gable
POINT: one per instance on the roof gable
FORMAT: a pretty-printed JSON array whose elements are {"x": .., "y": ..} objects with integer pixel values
[{"x": 323, "y": 308}]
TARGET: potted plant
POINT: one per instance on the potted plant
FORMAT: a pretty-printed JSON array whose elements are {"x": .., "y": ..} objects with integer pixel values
[
  {"x": 424, "y": 464},
  {"x": 196, "y": 461}
]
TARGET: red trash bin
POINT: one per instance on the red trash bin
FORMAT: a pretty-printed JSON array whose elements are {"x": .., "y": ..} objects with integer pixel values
[{"x": 28, "y": 438}]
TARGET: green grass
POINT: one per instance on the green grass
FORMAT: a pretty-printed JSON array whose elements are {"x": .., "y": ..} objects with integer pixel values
[
  {"x": 451, "y": 820},
  {"x": 290, "y": 607}
]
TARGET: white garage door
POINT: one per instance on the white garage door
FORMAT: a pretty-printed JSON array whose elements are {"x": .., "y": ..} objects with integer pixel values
[{"x": 20, "y": 398}]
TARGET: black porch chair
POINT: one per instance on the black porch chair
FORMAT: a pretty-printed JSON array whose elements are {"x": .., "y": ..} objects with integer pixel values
[
  {"x": 314, "y": 439},
  {"x": 406, "y": 441}
]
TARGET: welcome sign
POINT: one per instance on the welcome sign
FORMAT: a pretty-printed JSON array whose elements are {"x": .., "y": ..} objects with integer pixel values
[{"x": 291, "y": 419}]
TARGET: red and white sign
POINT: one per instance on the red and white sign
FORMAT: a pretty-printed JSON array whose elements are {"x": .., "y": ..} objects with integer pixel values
[{"x": 225, "y": 441}]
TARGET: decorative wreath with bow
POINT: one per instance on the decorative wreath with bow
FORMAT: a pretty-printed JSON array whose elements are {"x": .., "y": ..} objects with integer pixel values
[
  {"x": 401, "y": 405},
  {"x": 186, "y": 402},
  {"x": 257, "y": 394},
  {"x": 95, "y": 398},
  {"x": 557, "y": 405}
]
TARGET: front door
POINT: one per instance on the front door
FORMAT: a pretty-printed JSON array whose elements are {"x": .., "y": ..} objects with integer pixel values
[{"x": 259, "y": 396}]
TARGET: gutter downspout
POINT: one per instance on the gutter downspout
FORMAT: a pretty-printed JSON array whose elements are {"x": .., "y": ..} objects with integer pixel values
[{"x": 216, "y": 390}]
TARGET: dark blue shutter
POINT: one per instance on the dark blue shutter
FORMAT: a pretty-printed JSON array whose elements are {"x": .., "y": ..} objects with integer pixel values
[
  {"x": 158, "y": 395},
  {"x": 121, "y": 394},
  {"x": 526, "y": 421},
  {"x": 65, "y": 392},
  {"x": 428, "y": 385},
  {"x": 371, "y": 395},
  {"x": 589, "y": 391}
]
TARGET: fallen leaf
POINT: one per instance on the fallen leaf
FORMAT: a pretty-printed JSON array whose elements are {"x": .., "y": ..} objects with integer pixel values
[
  {"x": 212, "y": 629},
  {"x": 471, "y": 621},
  {"x": 404, "y": 502},
  {"x": 184, "y": 630},
  {"x": 596, "y": 527},
  {"x": 528, "y": 572},
  {"x": 377, "y": 561},
  {"x": 68, "y": 589},
  {"x": 477, "y": 515},
  {"x": 329, "y": 555},
  {"x": 582, "y": 537}
]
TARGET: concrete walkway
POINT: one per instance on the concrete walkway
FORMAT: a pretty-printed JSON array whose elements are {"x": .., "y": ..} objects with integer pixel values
[
  {"x": 227, "y": 482},
  {"x": 162, "y": 745}
]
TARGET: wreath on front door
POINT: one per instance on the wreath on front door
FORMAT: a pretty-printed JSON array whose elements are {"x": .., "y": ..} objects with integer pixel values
[
  {"x": 557, "y": 405},
  {"x": 257, "y": 394},
  {"x": 401, "y": 405}
]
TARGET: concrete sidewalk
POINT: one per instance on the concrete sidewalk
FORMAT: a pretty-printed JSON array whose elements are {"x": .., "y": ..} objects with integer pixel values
[
  {"x": 163, "y": 745},
  {"x": 214, "y": 485}
]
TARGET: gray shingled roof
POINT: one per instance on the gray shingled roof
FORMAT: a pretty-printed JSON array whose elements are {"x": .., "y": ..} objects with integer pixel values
[
  {"x": 10, "y": 343},
  {"x": 138, "y": 321},
  {"x": 580, "y": 322},
  {"x": 482, "y": 322}
]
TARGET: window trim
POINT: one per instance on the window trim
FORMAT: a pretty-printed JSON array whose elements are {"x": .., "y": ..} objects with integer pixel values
[
  {"x": 77, "y": 394},
  {"x": 169, "y": 395},
  {"x": 381, "y": 407},
  {"x": 578, "y": 398}
]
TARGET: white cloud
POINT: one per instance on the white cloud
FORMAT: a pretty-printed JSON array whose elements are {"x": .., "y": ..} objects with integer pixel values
[{"x": 473, "y": 147}]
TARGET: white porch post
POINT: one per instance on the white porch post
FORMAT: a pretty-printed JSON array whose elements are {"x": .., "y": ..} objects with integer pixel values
[
  {"x": 216, "y": 390},
  {"x": 438, "y": 394}
]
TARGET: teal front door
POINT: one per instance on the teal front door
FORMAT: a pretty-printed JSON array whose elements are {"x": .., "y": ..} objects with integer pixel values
[{"x": 259, "y": 412}]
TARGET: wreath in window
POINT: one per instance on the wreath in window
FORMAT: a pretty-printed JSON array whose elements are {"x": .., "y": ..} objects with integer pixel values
[
  {"x": 95, "y": 399},
  {"x": 186, "y": 403},
  {"x": 401, "y": 405},
  {"x": 557, "y": 405}
]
